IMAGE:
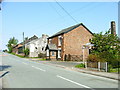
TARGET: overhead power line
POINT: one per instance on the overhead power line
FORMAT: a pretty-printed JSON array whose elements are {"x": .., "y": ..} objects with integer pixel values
[{"x": 66, "y": 11}]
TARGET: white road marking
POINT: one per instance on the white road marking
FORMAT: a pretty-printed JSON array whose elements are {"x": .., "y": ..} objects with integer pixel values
[
  {"x": 74, "y": 82},
  {"x": 25, "y": 63},
  {"x": 38, "y": 68}
]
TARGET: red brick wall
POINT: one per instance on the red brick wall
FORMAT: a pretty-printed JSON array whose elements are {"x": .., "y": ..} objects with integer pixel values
[
  {"x": 74, "y": 40},
  {"x": 54, "y": 40}
]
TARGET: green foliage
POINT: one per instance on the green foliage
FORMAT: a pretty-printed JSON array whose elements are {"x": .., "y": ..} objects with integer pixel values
[
  {"x": 93, "y": 58},
  {"x": 5, "y": 50},
  {"x": 41, "y": 55},
  {"x": 11, "y": 43},
  {"x": 43, "y": 59},
  {"x": 105, "y": 42},
  {"x": 112, "y": 69},
  {"x": 80, "y": 65},
  {"x": 26, "y": 52},
  {"x": 106, "y": 48},
  {"x": 20, "y": 56},
  {"x": 13, "y": 53},
  {"x": 26, "y": 38}
]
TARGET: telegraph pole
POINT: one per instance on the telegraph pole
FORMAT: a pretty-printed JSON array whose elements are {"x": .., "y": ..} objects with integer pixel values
[{"x": 23, "y": 42}]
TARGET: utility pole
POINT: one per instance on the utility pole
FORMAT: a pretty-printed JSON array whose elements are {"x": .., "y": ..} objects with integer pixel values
[
  {"x": 23, "y": 42},
  {"x": 0, "y": 4}
]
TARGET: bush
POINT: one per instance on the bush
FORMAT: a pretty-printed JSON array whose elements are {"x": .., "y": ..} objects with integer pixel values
[
  {"x": 41, "y": 55},
  {"x": 80, "y": 65},
  {"x": 10, "y": 50},
  {"x": 93, "y": 58},
  {"x": 26, "y": 52},
  {"x": 20, "y": 56},
  {"x": 112, "y": 69}
]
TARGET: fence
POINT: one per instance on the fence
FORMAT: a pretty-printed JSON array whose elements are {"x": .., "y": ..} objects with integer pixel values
[
  {"x": 73, "y": 57},
  {"x": 100, "y": 66}
]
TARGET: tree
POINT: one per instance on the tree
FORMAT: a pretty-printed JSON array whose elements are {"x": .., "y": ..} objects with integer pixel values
[
  {"x": 11, "y": 43},
  {"x": 26, "y": 38},
  {"x": 107, "y": 47},
  {"x": 26, "y": 52}
]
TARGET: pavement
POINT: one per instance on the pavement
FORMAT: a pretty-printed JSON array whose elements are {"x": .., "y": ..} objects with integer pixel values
[
  {"x": 25, "y": 73},
  {"x": 71, "y": 65}
]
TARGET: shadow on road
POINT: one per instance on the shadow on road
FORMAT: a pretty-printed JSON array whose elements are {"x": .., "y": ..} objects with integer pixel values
[
  {"x": 3, "y": 67},
  {"x": 4, "y": 74}
]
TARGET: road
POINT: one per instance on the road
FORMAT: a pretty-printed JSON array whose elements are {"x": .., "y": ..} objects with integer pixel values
[{"x": 22, "y": 73}]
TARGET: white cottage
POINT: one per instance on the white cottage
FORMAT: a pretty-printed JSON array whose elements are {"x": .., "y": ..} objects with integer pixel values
[{"x": 37, "y": 46}]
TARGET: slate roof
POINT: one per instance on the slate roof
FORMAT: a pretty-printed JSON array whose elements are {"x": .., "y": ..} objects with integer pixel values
[
  {"x": 52, "y": 47},
  {"x": 30, "y": 39},
  {"x": 69, "y": 29}
]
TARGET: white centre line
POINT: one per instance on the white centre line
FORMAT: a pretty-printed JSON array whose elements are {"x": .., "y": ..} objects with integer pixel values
[
  {"x": 25, "y": 63},
  {"x": 74, "y": 82},
  {"x": 38, "y": 68}
]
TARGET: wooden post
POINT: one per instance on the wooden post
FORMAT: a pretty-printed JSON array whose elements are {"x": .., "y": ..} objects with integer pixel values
[
  {"x": 56, "y": 55},
  {"x": 106, "y": 66},
  {"x": 99, "y": 66},
  {"x": 49, "y": 54},
  {"x": 23, "y": 42},
  {"x": 83, "y": 57},
  {"x": 85, "y": 64}
]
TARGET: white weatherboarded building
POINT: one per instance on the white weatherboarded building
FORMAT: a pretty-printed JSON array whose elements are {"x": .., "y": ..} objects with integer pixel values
[{"x": 37, "y": 46}]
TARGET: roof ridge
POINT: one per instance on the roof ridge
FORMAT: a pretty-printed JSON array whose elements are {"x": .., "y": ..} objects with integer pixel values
[{"x": 66, "y": 29}]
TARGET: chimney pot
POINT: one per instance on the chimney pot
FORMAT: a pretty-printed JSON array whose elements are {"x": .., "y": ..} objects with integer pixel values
[{"x": 113, "y": 28}]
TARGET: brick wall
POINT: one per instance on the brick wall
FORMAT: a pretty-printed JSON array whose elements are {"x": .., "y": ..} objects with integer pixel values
[{"x": 74, "y": 40}]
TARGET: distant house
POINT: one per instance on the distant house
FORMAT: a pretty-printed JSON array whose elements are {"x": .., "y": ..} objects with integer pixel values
[
  {"x": 18, "y": 49},
  {"x": 37, "y": 46},
  {"x": 31, "y": 39},
  {"x": 68, "y": 43}
]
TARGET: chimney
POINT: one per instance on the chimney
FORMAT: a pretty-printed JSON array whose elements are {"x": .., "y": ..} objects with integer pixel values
[
  {"x": 43, "y": 35},
  {"x": 113, "y": 28}
]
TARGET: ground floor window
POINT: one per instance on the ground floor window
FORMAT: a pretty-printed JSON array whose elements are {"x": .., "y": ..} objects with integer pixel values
[{"x": 53, "y": 53}]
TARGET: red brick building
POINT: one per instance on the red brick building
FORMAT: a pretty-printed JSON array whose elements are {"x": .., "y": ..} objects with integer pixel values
[
  {"x": 69, "y": 42},
  {"x": 18, "y": 49}
]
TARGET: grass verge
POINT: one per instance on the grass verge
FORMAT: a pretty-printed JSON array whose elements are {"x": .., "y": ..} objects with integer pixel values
[{"x": 80, "y": 65}]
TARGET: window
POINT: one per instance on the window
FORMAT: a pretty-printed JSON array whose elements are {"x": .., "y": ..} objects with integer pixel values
[
  {"x": 89, "y": 51},
  {"x": 35, "y": 47},
  {"x": 50, "y": 40},
  {"x": 42, "y": 48},
  {"x": 59, "y": 40},
  {"x": 53, "y": 54}
]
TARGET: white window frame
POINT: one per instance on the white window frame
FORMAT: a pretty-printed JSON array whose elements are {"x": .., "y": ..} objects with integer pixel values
[
  {"x": 59, "y": 55},
  {"x": 59, "y": 42},
  {"x": 50, "y": 41}
]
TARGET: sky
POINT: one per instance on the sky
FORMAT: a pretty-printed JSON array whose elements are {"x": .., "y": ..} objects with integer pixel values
[{"x": 37, "y": 18}]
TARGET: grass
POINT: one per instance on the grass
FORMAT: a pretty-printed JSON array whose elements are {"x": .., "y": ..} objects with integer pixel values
[
  {"x": 80, "y": 65},
  {"x": 32, "y": 57},
  {"x": 43, "y": 59},
  {"x": 114, "y": 70},
  {"x": 17, "y": 55},
  {"x": 20, "y": 56}
]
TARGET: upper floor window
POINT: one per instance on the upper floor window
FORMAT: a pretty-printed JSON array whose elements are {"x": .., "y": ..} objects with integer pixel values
[
  {"x": 59, "y": 40},
  {"x": 50, "y": 40},
  {"x": 35, "y": 47},
  {"x": 42, "y": 48}
]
